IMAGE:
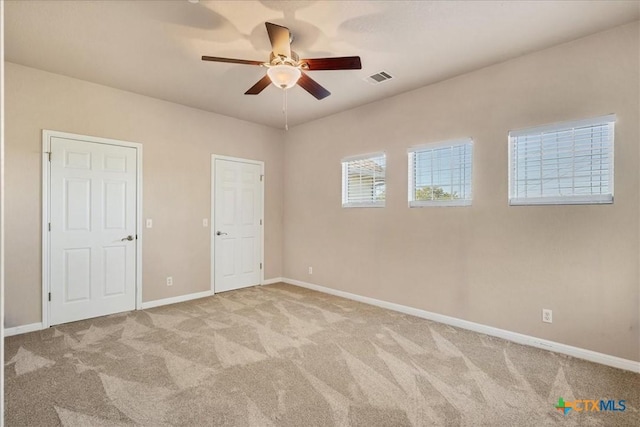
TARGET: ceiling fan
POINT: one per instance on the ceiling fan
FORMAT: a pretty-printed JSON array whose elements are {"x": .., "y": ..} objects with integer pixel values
[{"x": 285, "y": 68}]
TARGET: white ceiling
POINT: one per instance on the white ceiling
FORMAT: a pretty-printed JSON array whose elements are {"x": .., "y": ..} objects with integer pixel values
[{"x": 154, "y": 47}]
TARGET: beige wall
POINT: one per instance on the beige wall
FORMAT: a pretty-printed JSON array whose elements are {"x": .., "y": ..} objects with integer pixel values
[
  {"x": 488, "y": 263},
  {"x": 177, "y": 145}
]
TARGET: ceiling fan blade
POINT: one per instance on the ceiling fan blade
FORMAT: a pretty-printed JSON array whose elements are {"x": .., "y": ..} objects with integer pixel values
[
  {"x": 280, "y": 39},
  {"x": 341, "y": 63},
  {"x": 231, "y": 60},
  {"x": 313, "y": 87},
  {"x": 260, "y": 86}
]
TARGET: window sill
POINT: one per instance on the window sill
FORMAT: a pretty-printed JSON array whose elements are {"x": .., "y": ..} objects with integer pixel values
[
  {"x": 573, "y": 200},
  {"x": 438, "y": 203},
  {"x": 364, "y": 205}
]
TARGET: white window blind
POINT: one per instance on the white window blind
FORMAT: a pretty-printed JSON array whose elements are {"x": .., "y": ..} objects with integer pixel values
[
  {"x": 363, "y": 180},
  {"x": 440, "y": 174},
  {"x": 566, "y": 163}
]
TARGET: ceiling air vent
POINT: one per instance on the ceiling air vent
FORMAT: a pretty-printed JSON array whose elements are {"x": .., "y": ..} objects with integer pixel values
[{"x": 380, "y": 77}]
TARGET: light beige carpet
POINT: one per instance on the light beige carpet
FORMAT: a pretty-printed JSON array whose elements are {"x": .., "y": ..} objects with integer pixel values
[{"x": 284, "y": 356}]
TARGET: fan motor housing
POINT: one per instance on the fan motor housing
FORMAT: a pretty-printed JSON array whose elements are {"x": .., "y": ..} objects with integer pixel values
[{"x": 279, "y": 60}]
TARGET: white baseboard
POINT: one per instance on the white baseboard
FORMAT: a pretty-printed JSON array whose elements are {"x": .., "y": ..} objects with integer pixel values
[
  {"x": 580, "y": 353},
  {"x": 23, "y": 329},
  {"x": 174, "y": 300},
  {"x": 272, "y": 281}
]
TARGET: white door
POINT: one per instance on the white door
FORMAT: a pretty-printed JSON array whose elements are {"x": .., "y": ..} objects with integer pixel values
[
  {"x": 237, "y": 234},
  {"x": 93, "y": 229}
]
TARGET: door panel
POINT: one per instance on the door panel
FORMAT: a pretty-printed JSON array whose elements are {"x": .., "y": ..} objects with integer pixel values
[
  {"x": 115, "y": 205},
  {"x": 77, "y": 197},
  {"x": 248, "y": 254},
  {"x": 237, "y": 216},
  {"x": 248, "y": 209},
  {"x": 77, "y": 274},
  {"x": 92, "y": 208},
  {"x": 115, "y": 163},
  {"x": 77, "y": 160},
  {"x": 115, "y": 270},
  {"x": 228, "y": 207},
  {"x": 226, "y": 252}
]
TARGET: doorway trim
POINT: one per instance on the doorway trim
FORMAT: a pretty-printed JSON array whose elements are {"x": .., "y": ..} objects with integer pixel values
[
  {"x": 212, "y": 223},
  {"x": 46, "y": 188}
]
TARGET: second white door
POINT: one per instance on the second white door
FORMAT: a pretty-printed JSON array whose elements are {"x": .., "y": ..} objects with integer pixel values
[{"x": 237, "y": 222}]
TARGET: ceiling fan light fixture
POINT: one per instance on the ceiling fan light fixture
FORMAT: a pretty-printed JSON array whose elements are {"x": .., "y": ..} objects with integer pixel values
[{"x": 284, "y": 76}]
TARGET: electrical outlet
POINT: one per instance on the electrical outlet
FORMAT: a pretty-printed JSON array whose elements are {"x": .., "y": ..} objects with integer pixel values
[
  {"x": 310, "y": 270},
  {"x": 547, "y": 315},
  {"x": 149, "y": 223},
  {"x": 169, "y": 281},
  {"x": 205, "y": 222}
]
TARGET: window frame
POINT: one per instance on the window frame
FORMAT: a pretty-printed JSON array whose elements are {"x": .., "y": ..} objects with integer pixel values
[
  {"x": 344, "y": 165},
  {"x": 467, "y": 201},
  {"x": 594, "y": 199}
]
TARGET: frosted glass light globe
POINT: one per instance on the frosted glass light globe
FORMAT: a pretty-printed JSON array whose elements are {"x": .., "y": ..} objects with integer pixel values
[{"x": 284, "y": 76}]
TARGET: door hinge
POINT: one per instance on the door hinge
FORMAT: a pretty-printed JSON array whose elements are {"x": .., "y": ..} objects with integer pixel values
[
  {"x": 136, "y": 237},
  {"x": 260, "y": 222},
  {"x": 261, "y": 178},
  {"x": 260, "y": 266},
  {"x": 49, "y": 296},
  {"x": 49, "y": 226},
  {"x": 49, "y": 153}
]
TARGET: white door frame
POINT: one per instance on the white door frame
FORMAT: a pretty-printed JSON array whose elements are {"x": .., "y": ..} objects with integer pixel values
[
  {"x": 212, "y": 222},
  {"x": 46, "y": 188}
]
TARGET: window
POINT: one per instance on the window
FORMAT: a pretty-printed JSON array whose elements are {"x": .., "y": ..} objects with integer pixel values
[
  {"x": 363, "y": 182},
  {"x": 440, "y": 174},
  {"x": 566, "y": 163}
]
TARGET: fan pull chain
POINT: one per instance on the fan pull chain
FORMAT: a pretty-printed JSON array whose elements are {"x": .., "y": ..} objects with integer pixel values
[{"x": 284, "y": 110}]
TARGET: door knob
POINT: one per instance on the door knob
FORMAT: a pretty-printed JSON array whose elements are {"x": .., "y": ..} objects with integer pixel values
[
  {"x": 129, "y": 238},
  {"x": 220, "y": 233}
]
